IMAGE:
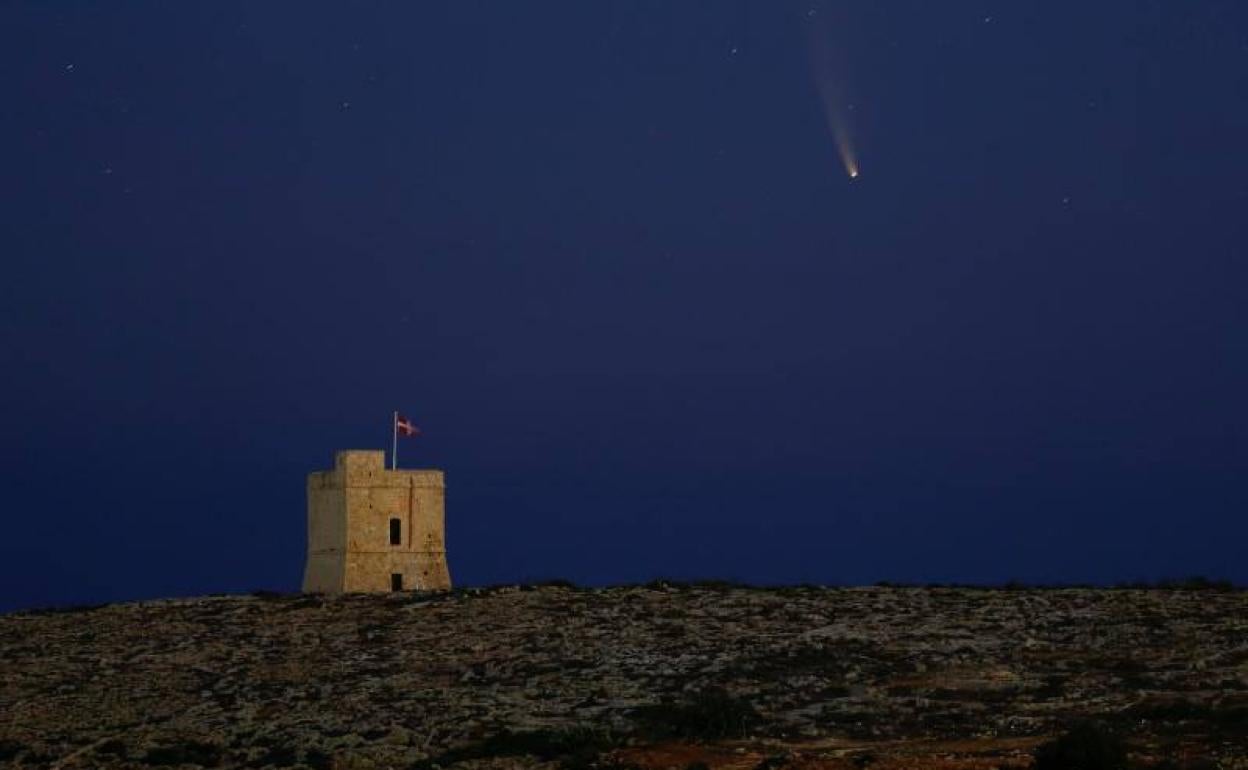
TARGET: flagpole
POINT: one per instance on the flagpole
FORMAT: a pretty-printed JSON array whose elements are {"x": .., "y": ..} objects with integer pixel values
[{"x": 394, "y": 442}]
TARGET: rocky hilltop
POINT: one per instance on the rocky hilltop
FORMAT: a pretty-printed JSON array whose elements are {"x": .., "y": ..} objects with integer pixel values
[{"x": 650, "y": 676}]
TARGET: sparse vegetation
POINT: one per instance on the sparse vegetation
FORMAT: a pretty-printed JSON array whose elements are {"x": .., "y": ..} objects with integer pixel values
[
  {"x": 306, "y": 601},
  {"x": 555, "y": 583},
  {"x": 269, "y": 595},
  {"x": 10, "y": 749},
  {"x": 708, "y": 715},
  {"x": 1086, "y": 746},
  {"x": 666, "y": 678},
  {"x": 113, "y": 747},
  {"x": 1216, "y": 715},
  {"x": 572, "y": 749},
  {"x": 1194, "y": 583},
  {"x": 62, "y": 609},
  {"x": 714, "y": 584},
  {"x": 276, "y": 756},
  {"x": 676, "y": 584},
  {"x": 189, "y": 752}
]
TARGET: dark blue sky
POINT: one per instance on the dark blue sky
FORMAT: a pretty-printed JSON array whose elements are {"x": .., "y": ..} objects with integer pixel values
[{"x": 605, "y": 254}]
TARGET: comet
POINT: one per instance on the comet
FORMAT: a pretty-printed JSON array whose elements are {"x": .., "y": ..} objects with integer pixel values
[
  {"x": 838, "y": 124},
  {"x": 830, "y": 71}
]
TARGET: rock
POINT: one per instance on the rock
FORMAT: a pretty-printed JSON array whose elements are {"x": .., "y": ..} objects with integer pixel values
[{"x": 375, "y": 681}]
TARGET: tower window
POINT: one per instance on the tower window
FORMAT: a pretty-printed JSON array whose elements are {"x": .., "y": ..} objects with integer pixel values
[
  {"x": 396, "y": 581},
  {"x": 396, "y": 532}
]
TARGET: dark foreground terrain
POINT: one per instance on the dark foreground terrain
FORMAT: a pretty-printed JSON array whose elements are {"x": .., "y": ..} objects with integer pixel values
[{"x": 655, "y": 676}]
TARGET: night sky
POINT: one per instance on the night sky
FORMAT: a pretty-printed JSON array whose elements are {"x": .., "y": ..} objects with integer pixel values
[{"x": 608, "y": 257}]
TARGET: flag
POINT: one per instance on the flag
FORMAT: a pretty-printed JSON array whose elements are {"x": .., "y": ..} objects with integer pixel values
[{"x": 404, "y": 427}]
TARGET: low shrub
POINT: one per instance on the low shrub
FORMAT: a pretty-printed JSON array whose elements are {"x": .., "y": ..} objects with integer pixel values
[
  {"x": 62, "y": 609},
  {"x": 775, "y": 761},
  {"x": 276, "y": 756},
  {"x": 189, "y": 752},
  {"x": 1180, "y": 710},
  {"x": 713, "y": 584},
  {"x": 556, "y": 583},
  {"x": 307, "y": 601},
  {"x": 1218, "y": 715},
  {"x": 720, "y": 584},
  {"x": 664, "y": 584},
  {"x": 1086, "y": 746},
  {"x": 1193, "y": 583},
  {"x": 112, "y": 747},
  {"x": 709, "y": 715},
  {"x": 269, "y": 595},
  {"x": 575, "y": 748}
]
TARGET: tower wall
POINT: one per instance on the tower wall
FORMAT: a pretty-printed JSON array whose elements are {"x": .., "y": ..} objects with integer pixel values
[{"x": 349, "y": 513}]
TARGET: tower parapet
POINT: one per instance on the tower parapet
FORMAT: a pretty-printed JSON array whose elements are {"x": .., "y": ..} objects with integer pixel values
[{"x": 373, "y": 529}]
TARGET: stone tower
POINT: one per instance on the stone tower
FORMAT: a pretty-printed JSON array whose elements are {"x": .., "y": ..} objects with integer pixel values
[{"x": 373, "y": 529}]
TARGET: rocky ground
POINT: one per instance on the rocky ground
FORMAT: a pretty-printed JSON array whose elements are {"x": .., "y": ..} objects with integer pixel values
[{"x": 649, "y": 676}]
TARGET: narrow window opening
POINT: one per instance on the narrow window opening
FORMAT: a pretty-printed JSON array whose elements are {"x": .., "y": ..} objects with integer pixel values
[
  {"x": 396, "y": 532},
  {"x": 396, "y": 581}
]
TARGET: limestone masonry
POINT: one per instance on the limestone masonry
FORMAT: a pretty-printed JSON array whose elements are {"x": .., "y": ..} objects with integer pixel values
[{"x": 371, "y": 529}]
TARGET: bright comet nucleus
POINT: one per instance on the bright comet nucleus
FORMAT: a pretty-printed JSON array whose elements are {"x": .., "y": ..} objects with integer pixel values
[{"x": 830, "y": 69}]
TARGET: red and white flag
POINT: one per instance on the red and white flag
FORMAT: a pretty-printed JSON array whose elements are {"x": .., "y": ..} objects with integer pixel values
[{"x": 404, "y": 426}]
